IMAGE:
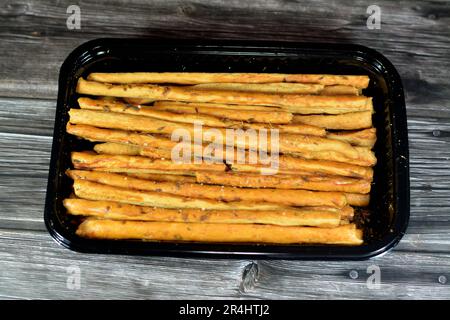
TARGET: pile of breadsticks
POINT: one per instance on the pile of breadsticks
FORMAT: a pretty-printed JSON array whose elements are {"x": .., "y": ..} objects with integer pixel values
[{"x": 128, "y": 187}]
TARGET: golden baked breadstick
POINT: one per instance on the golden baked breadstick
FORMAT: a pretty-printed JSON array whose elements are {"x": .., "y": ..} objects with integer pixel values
[
  {"x": 95, "y": 191},
  {"x": 120, "y": 211},
  {"x": 117, "y": 148},
  {"x": 115, "y": 120},
  {"x": 367, "y": 157},
  {"x": 292, "y": 109},
  {"x": 280, "y": 87},
  {"x": 356, "y": 199},
  {"x": 283, "y": 87},
  {"x": 319, "y": 183},
  {"x": 207, "y": 120},
  {"x": 218, "y": 232},
  {"x": 284, "y": 197},
  {"x": 147, "y": 111},
  {"x": 287, "y": 165},
  {"x": 215, "y": 105},
  {"x": 362, "y": 138},
  {"x": 120, "y": 163},
  {"x": 274, "y": 117},
  {"x": 204, "y": 77},
  {"x": 289, "y": 143},
  {"x": 335, "y": 90},
  {"x": 132, "y": 150},
  {"x": 211, "y": 121},
  {"x": 164, "y": 177},
  {"x": 301, "y": 103},
  {"x": 119, "y": 121},
  {"x": 344, "y": 121}
]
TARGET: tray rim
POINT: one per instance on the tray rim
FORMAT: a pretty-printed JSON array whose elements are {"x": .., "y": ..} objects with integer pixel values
[{"x": 306, "y": 252}]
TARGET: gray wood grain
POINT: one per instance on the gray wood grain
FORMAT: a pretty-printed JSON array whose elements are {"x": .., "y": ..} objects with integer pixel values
[{"x": 414, "y": 35}]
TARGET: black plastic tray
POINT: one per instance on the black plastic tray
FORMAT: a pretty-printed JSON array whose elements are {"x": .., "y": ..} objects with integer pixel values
[{"x": 389, "y": 207}]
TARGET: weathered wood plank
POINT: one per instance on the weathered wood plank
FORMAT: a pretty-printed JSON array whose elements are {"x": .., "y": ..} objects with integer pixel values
[
  {"x": 31, "y": 266},
  {"x": 45, "y": 22}
]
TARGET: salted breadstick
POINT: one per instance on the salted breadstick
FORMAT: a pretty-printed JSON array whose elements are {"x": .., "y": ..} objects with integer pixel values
[
  {"x": 274, "y": 117},
  {"x": 286, "y": 217},
  {"x": 120, "y": 163},
  {"x": 146, "y": 111},
  {"x": 280, "y": 87},
  {"x": 292, "y": 109},
  {"x": 123, "y": 121},
  {"x": 164, "y": 177},
  {"x": 298, "y": 198},
  {"x": 319, "y": 183},
  {"x": 344, "y": 121},
  {"x": 207, "y": 120},
  {"x": 204, "y": 77},
  {"x": 119, "y": 138},
  {"x": 289, "y": 143},
  {"x": 218, "y": 232},
  {"x": 292, "y": 165},
  {"x": 119, "y": 107},
  {"x": 216, "y": 105},
  {"x": 307, "y": 103},
  {"x": 335, "y": 90},
  {"x": 356, "y": 199},
  {"x": 367, "y": 157},
  {"x": 283, "y": 87},
  {"x": 362, "y": 138},
  {"x": 287, "y": 165},
  {"x": 95, "y": 191},
  {"x": 132, "y": 150},
  {"x": 117, "y": 148}
]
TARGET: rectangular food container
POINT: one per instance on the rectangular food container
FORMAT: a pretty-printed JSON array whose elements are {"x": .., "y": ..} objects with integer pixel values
[{"x": 386, "y": 220}]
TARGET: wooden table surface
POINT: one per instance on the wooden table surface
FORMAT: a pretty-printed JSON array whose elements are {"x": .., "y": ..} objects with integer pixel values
[{"x": 34, "y": 41}]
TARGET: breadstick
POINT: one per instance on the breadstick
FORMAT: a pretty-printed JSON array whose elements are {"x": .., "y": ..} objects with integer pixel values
[
  {"x": 302, "y": 103},
  {"x": 219, "y": 232},
  {"x": 164, "y": 177},
  {"x": 117, "y": 148},
  {"x": 286, "y": 217},
  {"x": 95, "y": 191},
  {"x": 367, "y": 157},
  {"x": 299, "y": 198},
  {"x": 203, "y": 77},
  {"x": 359, "y": 200},
  {"x": 319, "y": 183},
  {"x": 335, "y": 90},
  {"x": 291, "y": 165},
  {"x": 146, "y": 111},
  {"x": 132, "y": 150},
  {"x": 344, "y": 121},
  {"x": 115, "y": 120},
  {"x": 215, "y": 105},
  {"x": 295, "y": 88},
  {"x": 119, "y": 107},
  {"x": 119, "y": 163},
  {"x": 280, "y": 87},
  {"x": 274, "y": 117},
  {"x": 293, "y": 109},
  {"x": 289, "y": 143},
  {"x": 362, "y": 138},
  {"x": 287, "y": 165}
]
